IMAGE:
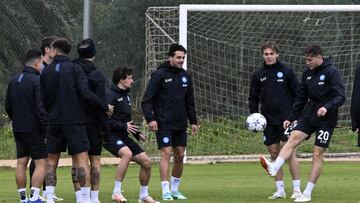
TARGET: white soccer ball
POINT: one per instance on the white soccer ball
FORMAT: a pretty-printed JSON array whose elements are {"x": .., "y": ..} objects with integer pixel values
[{"x": 256, "y": 122}]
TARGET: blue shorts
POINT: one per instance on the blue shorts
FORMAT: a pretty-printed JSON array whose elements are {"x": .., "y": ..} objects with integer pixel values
[
  {"x": 323, "y": 134},
  {"x": 174, "y": 138}
]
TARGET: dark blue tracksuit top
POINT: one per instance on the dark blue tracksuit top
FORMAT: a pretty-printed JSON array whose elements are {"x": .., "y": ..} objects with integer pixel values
[
  {"x": 23, "y": 102},
  {"x": 96, "y": 81},
  {"x": 121, "y": 101},
  {"x": 320, "y": 87},
  {"x": 169, "y": 98},
  {"x": 64, "y": 88},
  {"x": 274, "y": 87}
]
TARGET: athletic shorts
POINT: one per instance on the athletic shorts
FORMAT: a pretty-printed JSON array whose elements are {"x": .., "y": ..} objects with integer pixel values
[
  {"x": 274, "y": 134},
  {"x": 72, "y": 136},
  {"x": 95, "y": 135},
  {"x": 30, "y": 144},
  {"x": 115, "y": 143},
  {"x": 174, "y": 138},
  {"x": 323, "y": 134}
]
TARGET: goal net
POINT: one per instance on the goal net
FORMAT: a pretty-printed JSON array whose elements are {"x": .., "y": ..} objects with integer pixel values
[{"x": 224, "y": 50}]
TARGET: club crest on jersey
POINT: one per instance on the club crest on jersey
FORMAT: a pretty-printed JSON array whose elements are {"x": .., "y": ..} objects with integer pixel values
[
  {"x": 322, "y": 77},
  {"x": 184, "y": 79},
  {"x": 168, "y": 80},
  {"x": 280, "y": 76},
  {"x": 119, "y": 142}
]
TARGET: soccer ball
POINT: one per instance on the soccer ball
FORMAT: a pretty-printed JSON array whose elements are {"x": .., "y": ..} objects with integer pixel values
[{"x": 256, "y": 122}]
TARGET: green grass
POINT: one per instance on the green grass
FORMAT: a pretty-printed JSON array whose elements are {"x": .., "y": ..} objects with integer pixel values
[{"x": 230, "y": 183}]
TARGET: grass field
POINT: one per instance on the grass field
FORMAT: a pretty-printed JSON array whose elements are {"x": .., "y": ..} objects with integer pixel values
[{"x": 207, "y": 183}]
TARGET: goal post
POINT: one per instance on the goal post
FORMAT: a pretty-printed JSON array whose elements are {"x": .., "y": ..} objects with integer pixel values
[{"x": 223, "y": 43}]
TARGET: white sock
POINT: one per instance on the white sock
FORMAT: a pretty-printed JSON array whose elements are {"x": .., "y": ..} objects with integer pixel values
[
  {"x": 296, "y": 185},
  {"x": 117, "y": 187},
  {"x": 175, "y": 182},
  {"x": 50, "y": 192},
  {"x": 309, "y": 187},
  {"x": 44, "y": 193},
  {"x": 280, "y": 185},
  {"x": 94, "y": 194},
  {"x": 165, "y": 187},
  {"x": 22, "y": 194},
  {"x": 144, "y": 192},
  {"x": 278, "y": 163},
  {"x": 85, "y": 191},
  {"x": 78, "y": 196},
  {"x": 34, "y": 193}
]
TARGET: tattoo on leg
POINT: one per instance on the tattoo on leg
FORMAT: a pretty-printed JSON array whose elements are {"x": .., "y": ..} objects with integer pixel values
[
  {"x": 75, "y": 179},
  {"x": 81, "y": 176},
  {"x": 95, "y": 176},
  {"x": 50, "y": 178}
]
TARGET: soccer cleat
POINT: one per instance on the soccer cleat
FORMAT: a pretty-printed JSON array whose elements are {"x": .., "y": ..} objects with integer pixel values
[
  {"x": 148, "y": 199},
  {"x": 278, "y": 195},
  {"x": 178, "y": 195},
  {"x": 303, "y": 198},
  {"x": 296, "y": 194},
  {"x": 118, "y": 198},
  {"x": 35, "y": 201},
  {"x": 55, "y": 198},
  {"x": 167, "y": 197},
  {"x": 268, "y": 166},
  {"x": 24, "y": 201},
  {"x": 95, "y": 201}
]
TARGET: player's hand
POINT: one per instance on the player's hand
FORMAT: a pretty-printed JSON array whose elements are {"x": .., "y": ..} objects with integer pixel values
[
  {"x": 321, "y": 112},
  {"x": 153, "y": 126},
  {"x": 110, "y": 110},
  {"x": 194, "y": 128},
  {"x": 286, "y": 124},
  {"x": 142, "y": 137},
  {"x": 131, "y": 128}
]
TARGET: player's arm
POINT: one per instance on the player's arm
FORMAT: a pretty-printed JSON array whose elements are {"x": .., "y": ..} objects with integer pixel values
[
  {"x": 355, "y": 101},
  {"x": 190, "y": 107},
  {"x": 300, "y": 100},
  {"x": 8, "y": 107},
  {"x": 254, "y": 94},
  {"x": 40, "y": 110},
  {"x": 293, "y": 84},
  {"x": 337, "y": 90},
  {"x": 114, "y": 124},
  {"x": 83, "y": 89},
  {"x": 148, "y": 101}
]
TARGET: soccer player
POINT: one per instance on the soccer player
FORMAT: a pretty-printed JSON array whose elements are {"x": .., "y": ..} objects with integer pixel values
[
  {"x": 118, "y": 141},
  {"x": 355, "y": 101},
  {"x": 45, "y": 51},
  {"x": 167, "y": 105},
  {"x": 25, "y": 109},
  {"x": 274, "y": 86},
  {"x": 320, "y": 94},
  {"x": 64, "y": 89},
  {"x": 96, "y": 125}
]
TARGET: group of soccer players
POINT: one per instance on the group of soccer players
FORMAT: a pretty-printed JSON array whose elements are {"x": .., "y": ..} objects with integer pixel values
[
  {"x": 58, "y": 105},
  {"x": 302, "y": 108}
]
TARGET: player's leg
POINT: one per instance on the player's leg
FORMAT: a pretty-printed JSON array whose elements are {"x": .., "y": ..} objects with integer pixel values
[
  {"x": 164, "y": 141},
  {"x": 31, "y": 169},
  {"x": 179, "y": 142},
  {"x": 295, "y": 174},
  {"x": 22, "y": 155},
  {"x": 274, "y": 150},
  {"x": 38, "y": 153}
]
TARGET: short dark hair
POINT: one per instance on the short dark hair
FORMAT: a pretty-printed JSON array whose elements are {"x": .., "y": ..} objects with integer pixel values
[
  {"x": 176, "y": 47},
  {"x": 46, "y": 42},
  {"x": 270, "y": 45},
  {"x": 62, "y": 44},
  {"x": 86, "y": 48},
  {"x": 32, "y": 55},
  {"x": 313, "y": 50},
  {"x": 121, "y": 73}
]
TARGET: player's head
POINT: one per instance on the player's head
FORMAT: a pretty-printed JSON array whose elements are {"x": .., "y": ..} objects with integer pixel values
[
  {"x": 122, "y": 77},
  {"x": 270, "y": 51},
  {"x": 46, "y": 48},
  {"x": 33, "y": 58},
  {"x": 86, "y": 49},
  {"x": 313, "y": 56},
  {"x": 177, "y": 55},
  {"x": 60, "y": 46}
]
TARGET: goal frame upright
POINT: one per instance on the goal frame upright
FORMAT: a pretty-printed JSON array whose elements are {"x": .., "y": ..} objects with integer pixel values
[{"x": 185, "y": 8}]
